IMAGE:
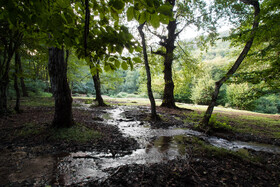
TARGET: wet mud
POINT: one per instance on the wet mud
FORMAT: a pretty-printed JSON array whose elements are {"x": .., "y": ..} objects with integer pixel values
[{"x": 137, "y": 152}]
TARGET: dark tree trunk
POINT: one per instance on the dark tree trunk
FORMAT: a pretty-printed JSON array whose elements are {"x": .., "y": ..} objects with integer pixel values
[
  {"x": 148, "y": 72},
  {"x": 9, "y": 41},
  {"x": 168, "y": 95},
  {"x": 97, "y": 86},
  {"x": 22, "y": 84},
  {"x": 17, "y": 59},
  {"x": 62, "y": 95},
  {"x": 3, "y": 95},
  {"x": 168, "y": 55},
  {"x": 205, "y": 121}
]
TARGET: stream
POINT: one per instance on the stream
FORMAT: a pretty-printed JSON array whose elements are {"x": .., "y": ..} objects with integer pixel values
[{"x": 156, "y": 145}]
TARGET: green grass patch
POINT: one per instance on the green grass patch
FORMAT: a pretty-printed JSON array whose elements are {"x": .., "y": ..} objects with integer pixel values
[
  {"x": 77, "y": 133},
  {"x": 202, "y": 148},
  {"x": 37, "y": 101},
  {"x": 29, "y": 129}
]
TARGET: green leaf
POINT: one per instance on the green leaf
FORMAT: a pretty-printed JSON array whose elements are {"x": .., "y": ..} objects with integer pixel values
[
  {"x": 117, "y": 63},
  {"x": 107, "y": 67},
  {"x": 143, "y": 17},
  {"x": 117, "y": 4},
  {"x": 130, "y": 13},
  {"x": 124, "y": 66},
  {"x": 137, "y": 60},
  {"x": 155, "y": 20},
  {"x": 163, "y": 19},
  {"x": 165, "y": 10},
  {"x": 77, "y": 40},
  {"x": 119, "y": 49}
]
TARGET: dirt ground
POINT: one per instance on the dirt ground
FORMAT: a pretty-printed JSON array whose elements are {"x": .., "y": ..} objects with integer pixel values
[{"x": 200, "y": 167}]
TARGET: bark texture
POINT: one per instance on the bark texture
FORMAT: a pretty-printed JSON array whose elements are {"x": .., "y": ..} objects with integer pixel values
[
  {"x": 17, "y": 59},
  {"x": 97, "y": 86},
  {"x": 169, "y": 44},
  {"x": 148, "y": 72},
  {"x": 58, "y": 76},
  {"x": 205, "y": 122},
  {"x": 22, "y": 84},
  {"x": 9, "y": 41}
]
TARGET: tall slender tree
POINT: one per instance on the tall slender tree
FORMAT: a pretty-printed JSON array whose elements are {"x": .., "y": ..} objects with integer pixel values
[{"x": 148, "y": 72}]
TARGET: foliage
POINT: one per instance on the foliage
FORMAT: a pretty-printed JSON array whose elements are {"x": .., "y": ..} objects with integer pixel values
[
  {"x": 201, "y": 92},
  {"x": 267, "y": 104},
  {"x": 240, "y": 96}
]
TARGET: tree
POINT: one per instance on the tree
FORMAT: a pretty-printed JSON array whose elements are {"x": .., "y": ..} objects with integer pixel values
[
  {"x": 261, "y": 69},
  {"x": 61, "y": 91},
  {"x": 170, "y": 13},
  {"x": 148, "y": 72},
  {"x": 205, "y": 122},
  {"x": 112, "y": 39},
  {"x": 10, "y": 41},
  {"x": 17, "y": 64}
]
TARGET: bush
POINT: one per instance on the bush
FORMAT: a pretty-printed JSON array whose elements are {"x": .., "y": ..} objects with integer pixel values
[
  {"x": 122, "y": 95},
  {"x": 239, "y": 96},
  {"x": 202, "y": 91},
  {"x": 36, "y": 86},
  {"x": 268, "y": 104}
]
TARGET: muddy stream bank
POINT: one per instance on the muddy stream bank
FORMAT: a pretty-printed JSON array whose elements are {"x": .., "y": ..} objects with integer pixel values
[{"x": 156, "y": 145}]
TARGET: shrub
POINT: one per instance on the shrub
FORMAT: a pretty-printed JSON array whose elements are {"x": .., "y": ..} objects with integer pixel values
[
  {"x": 268, "y": 104},
  {"x": 122, "y": 95},
  {"x": 238, "y": 95},
  {"x": 201, "y": 92}
]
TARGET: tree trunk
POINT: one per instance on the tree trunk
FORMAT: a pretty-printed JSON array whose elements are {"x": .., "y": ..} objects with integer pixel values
[
  {"x": 97, "y": 86},
  {"x": 63, "y": 101},
  {"x": 22, "y": 84},
  {"x": 17, "y": 59},
  {"x": 10, "y": 41},
  {"x": 205, "y": 121},
  {"x": 168, "y": 95},
  {"x": 148, "y": 72},
  {"x": 3, "y": 95}
]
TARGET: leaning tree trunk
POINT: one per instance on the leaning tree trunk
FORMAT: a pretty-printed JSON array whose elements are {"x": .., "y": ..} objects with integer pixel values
[
  {"x": 97, "y": 86},
  {"x": 168, "y": 95},
  {"x": 205, "y": 121},
  {"x": 58, "y": 76},
  {"x": 17, "y": 59},
  {"x": 148, "y": 72}
]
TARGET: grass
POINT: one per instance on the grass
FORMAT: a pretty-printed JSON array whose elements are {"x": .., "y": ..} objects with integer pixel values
[
  {"x": 37, "y": 101},
  {"x": 77, "y": 133},
  {"x": 29, "y": 129},
  {"x": 200, "y": 147},
  {"x": 241, "y": 121}
]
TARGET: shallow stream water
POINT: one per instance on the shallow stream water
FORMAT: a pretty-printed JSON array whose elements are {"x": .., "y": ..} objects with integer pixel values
[{"x": 156, "y": 145}]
